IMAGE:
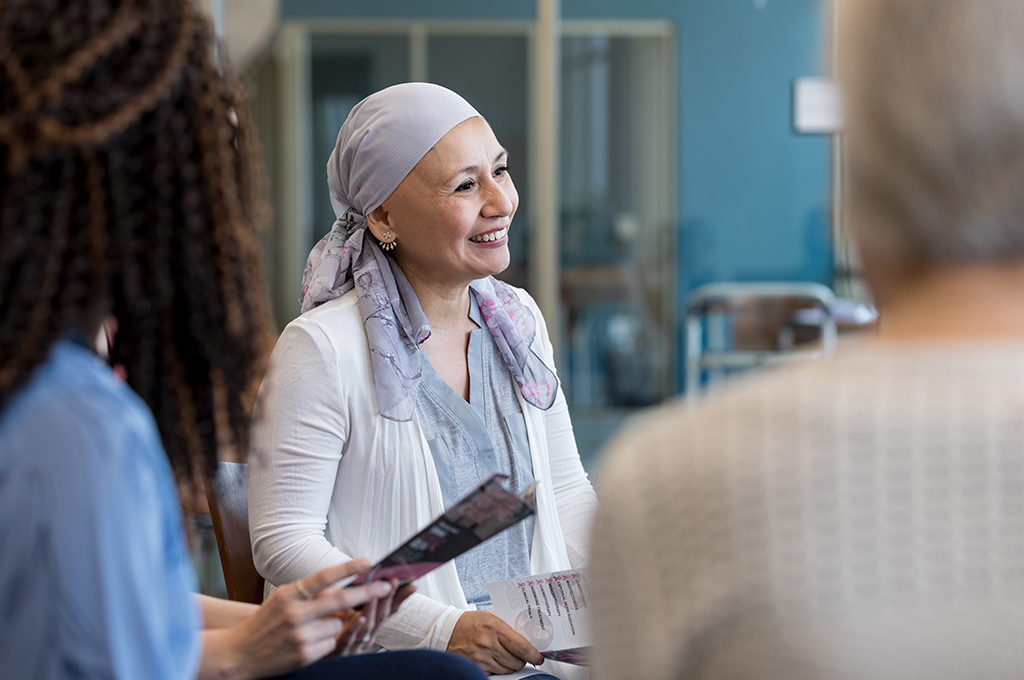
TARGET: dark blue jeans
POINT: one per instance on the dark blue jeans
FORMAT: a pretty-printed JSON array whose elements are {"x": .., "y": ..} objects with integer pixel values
[{"x": 409, "y": 665}]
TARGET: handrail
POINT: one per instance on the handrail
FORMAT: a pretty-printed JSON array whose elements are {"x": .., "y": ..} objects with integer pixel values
[{"x": 709, "y": 296}]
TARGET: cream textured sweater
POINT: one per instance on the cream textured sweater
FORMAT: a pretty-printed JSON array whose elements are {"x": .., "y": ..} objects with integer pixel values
[{"x": 856, "y": 518}]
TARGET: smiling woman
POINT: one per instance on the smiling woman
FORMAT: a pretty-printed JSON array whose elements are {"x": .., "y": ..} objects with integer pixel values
[
  {"x": 452, "y": 213},
  {"x": 412, "y": 376}
]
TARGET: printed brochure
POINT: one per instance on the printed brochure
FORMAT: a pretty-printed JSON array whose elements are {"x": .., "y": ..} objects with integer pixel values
[{"x": 549, "y": 610}]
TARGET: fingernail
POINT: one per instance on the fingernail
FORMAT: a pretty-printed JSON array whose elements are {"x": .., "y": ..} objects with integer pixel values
[{"x": 381, "y": 588}]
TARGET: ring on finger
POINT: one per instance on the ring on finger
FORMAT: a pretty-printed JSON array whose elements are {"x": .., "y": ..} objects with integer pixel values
[{"x": 302, "y": 590}]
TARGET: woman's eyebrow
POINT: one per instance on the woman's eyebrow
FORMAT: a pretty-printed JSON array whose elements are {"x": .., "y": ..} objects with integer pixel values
[{"x": 470, "y": 168}]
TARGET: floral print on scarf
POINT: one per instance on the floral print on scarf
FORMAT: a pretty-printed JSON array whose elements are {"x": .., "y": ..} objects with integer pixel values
[{"x": 395, "y": 324}]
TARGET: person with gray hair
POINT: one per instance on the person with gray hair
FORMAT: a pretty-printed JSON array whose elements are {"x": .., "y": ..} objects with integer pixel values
[
  {"x": 860, "y": 517},
  {"x": 412, "y": 376}
]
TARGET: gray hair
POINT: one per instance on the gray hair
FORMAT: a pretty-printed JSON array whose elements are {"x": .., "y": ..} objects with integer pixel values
[{"x": 935, "y": 128}]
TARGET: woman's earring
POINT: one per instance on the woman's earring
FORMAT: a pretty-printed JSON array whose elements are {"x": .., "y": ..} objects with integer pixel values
[{"x": 389, "y": 244}]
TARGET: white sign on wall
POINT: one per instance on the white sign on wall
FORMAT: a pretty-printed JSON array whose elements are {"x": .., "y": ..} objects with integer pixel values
[{"x": 817, "y": 106}]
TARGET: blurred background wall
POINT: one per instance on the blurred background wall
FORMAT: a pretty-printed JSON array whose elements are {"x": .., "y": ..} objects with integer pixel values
[{"x": 753, "y": 196}]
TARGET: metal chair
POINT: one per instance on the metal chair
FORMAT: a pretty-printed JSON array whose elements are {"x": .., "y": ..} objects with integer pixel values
[
  {"x": 230, "y": 512},
  {"x": 708, "y": 349}
]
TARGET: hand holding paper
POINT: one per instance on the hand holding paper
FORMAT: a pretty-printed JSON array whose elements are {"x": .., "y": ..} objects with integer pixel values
[
  {"x": 491, "y": 643},
  {"x": 549, "y": 610}
]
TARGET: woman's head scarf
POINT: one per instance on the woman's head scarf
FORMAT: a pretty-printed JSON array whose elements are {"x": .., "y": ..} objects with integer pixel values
[{"x": 382, "y": 140}]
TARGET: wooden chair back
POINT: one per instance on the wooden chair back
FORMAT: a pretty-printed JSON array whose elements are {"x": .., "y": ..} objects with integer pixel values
[{"x": 230, "y": 512}]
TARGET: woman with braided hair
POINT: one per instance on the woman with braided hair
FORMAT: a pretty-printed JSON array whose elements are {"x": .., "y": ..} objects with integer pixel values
[{"x": 129, "y": 188}]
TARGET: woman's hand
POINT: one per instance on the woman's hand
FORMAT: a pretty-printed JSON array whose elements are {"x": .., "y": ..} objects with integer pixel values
[
  {"x": 296, "y": 625},
  {"x": 490, "y": 642},
  {"x": 218, "y": 613},
  {"x": 361, "y": 626}
]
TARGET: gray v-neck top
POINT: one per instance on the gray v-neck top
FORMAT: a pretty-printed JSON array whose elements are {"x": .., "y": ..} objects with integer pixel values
[{"x": 472, "y": 441}]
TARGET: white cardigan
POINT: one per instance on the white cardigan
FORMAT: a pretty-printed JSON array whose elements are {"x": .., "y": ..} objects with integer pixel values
[{"x": 330, "y": 479}]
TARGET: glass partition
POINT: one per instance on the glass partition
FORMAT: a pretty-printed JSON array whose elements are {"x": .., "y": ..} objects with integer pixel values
[
  {"x": 617, "y": 227},
  {"x": 490, "y": 72},
  {"x": 343, "y": 71}
]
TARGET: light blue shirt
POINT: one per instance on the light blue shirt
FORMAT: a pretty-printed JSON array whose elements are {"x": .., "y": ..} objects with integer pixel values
[
  {"x": 470, "y": 442},
  {"x": 94, "y": 575}
]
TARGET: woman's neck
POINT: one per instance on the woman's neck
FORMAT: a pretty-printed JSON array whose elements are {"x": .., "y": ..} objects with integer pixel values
[
  {"x": 974, "y": 301},
  {"x": 447, "y": 310},
  {"x": 446, "y": 306}
]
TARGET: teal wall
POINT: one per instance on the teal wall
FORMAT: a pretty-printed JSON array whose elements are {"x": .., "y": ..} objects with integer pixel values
[{"x": 753, "y": 198}]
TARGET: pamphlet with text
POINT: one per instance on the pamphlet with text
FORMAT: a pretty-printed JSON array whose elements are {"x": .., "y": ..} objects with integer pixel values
[{"x": 549, "y": 610}]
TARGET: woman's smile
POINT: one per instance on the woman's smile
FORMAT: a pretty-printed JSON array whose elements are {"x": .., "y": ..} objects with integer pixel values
[{"x": 492, "y": 238}]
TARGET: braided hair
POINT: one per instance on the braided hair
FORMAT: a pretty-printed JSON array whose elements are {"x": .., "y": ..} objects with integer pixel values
[{"x": 130, "y": 185}]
